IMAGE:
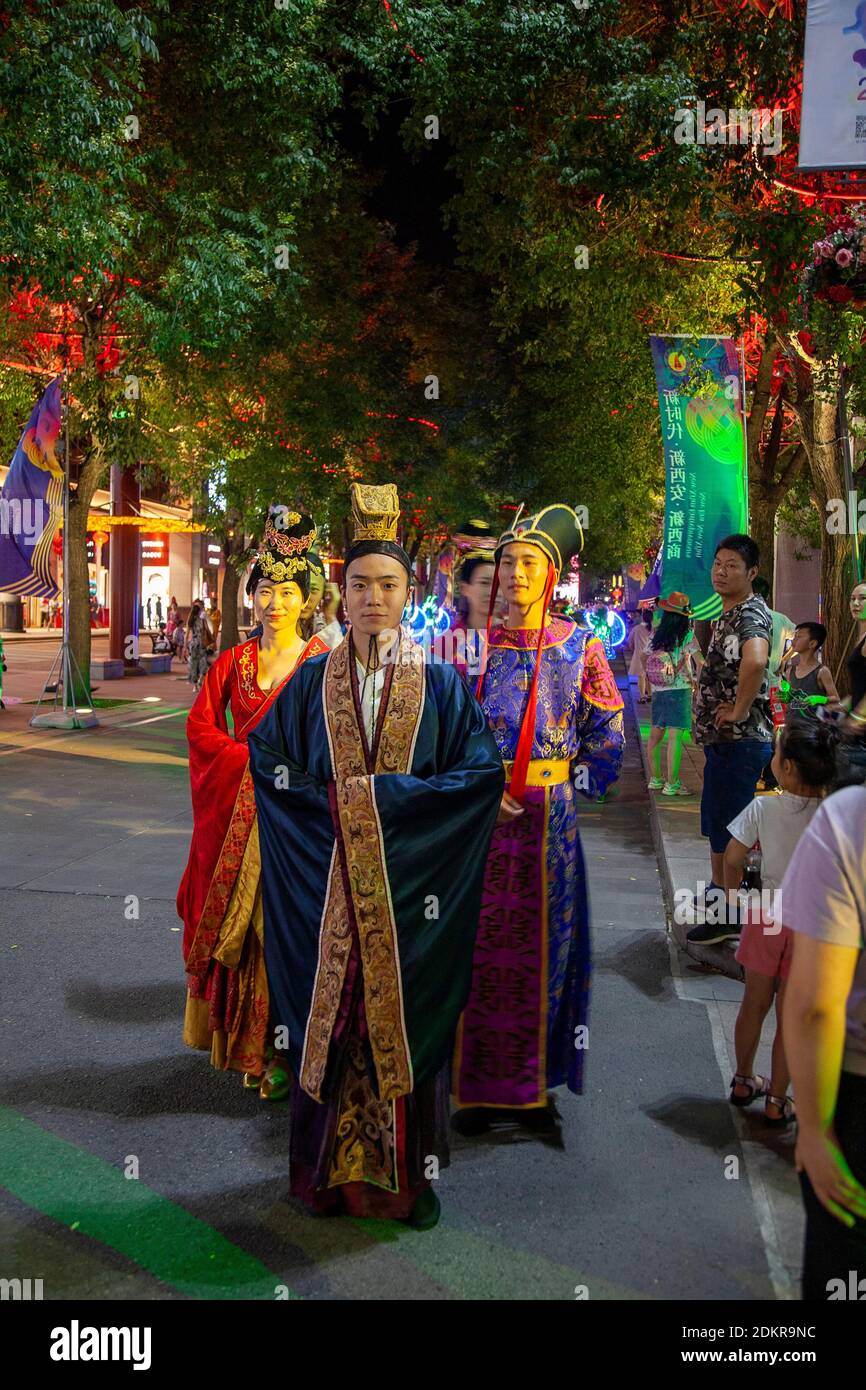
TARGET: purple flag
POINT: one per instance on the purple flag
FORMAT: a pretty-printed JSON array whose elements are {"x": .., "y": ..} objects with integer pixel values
[{"x": 31, "y": 503}]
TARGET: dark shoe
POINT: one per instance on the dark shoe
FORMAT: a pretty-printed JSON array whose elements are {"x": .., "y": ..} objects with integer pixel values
[
  {"x": 426, "y": 1212},
  {"x": 471, "y": 1122},
  {"x": 276, "y": 1083},
  {"x": 711, "y": 933},
  {"x": 700, "y": 900},
  {"x": 539, "y": 1119}
]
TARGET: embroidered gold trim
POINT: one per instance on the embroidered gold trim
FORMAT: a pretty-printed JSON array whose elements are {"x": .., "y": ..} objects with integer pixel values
[
  {"x": 364, "y": 855},
  {"x": 280, "y": 571},
  {"x": 247, "y": 670},
  {"x": 335, "y": 944},
  {"x": 365, "y": 1147}
]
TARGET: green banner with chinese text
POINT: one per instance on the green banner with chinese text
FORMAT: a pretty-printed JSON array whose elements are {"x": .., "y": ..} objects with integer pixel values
[{"x": 704, "y": 436}]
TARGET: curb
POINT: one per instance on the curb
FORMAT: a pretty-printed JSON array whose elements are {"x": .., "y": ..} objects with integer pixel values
[{"x": 718, "y": 958}]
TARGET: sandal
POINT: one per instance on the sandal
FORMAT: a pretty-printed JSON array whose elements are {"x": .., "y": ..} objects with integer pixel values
[
  {"x": 783, "y": 1103},
  {"x": 758, "y": 1086}
]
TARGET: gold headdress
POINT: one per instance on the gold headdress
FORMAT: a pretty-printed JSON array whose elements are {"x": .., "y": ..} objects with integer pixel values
[{"x": 375, "y": 512}]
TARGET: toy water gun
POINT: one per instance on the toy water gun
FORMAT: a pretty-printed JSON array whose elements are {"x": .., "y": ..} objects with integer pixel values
[
  {"x": 796, "y": 697},
  {"x": 782, "y": 697}
]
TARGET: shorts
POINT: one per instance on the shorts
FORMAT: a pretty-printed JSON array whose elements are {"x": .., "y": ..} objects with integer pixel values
[
  {"x": 731, "y": 775},
  {"x": 765, "y": 947},
  {"x": 671, "y": 708}
]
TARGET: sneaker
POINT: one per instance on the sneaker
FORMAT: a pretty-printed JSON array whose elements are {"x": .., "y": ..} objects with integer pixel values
[
  {"x": 699, "y": 900},
  {"x": 676, "y": 789},
  {"x": 655, "y": 784},
  {"x": 711, "y": 933}
]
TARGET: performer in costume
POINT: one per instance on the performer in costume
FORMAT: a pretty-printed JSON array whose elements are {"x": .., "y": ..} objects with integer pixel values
[
  {"x": 472, "y": 550},
  {"x": 372, "y": 865},
  {"x": 309, "y": 612},
  {"x": 555, "y": 710},
  {"x": 219, "y": 898}
]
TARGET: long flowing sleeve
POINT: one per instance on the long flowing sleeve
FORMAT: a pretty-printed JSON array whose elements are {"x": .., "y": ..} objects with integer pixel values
[
  {"x": 217, "y": 766},
  {"x": 392, "y": 861},
  {"x": 599, "y": 724}
]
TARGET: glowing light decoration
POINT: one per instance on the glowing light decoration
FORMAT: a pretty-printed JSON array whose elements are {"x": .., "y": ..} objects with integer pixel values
[
  {"x": 425, "y": 620},
  {"x": 608, "y": 627}
]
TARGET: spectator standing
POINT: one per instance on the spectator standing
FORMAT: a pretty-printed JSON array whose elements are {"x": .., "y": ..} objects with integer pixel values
[
  {"x": 783, "y": 629},
  {"x": 824, "y": 1018},
  {"x": 196, "y": 645},
  {"x": 804, "y": 766},
  {"x": 641, "y": 634},
  {"x": 732, "y": 710},
  {"x": 331, "y": 630},
  {"x": 671, "y": 662},
  {"x": 805, "y": 671},
  {"x": 214, "y": 619},
  {"x": 857, "y": 662}
]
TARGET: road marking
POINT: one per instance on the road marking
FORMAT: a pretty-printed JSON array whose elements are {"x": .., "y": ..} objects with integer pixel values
[
  {"x": 154, "y": 718},
  {"x": 81, "y": 1191}
]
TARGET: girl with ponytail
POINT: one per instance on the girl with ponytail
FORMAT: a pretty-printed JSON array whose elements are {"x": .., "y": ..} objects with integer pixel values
[{"x": 804, "y": 765}]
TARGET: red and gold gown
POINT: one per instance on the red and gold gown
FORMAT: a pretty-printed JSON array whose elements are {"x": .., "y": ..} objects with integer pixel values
[{"x": 219, "y": 899}]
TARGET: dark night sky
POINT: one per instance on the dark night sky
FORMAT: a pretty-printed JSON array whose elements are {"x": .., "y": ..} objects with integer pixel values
[{"x": 410, "y": 190}]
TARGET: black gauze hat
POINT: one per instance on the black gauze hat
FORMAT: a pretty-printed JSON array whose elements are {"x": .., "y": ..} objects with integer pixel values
[{"x": 555, "y": 530}]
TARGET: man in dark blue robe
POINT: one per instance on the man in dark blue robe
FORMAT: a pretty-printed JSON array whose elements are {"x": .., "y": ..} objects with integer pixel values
[{"x": 377, "y": 786}]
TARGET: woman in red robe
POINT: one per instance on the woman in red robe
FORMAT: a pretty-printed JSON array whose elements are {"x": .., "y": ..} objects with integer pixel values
[{"x": 219, "y": 900}]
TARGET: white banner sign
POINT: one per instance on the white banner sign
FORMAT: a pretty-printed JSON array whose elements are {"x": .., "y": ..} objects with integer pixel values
[{"x": 833, "y": 121}]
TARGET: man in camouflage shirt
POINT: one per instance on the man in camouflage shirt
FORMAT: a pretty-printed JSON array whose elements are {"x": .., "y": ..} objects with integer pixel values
[{"x": 732, "y": 712}]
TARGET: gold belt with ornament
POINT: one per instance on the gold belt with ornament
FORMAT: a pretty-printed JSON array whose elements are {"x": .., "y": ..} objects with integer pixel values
[{"x": 543, "y": 772}]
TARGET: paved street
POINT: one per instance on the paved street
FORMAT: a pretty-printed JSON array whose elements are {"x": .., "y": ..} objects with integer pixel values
[{"x": 96, "y": 1082}]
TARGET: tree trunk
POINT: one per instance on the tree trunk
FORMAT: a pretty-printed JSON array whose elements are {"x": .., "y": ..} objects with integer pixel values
[
  {"x": 828, "y": 475},
  {"x": 78, "y": 588},
  {"x": 229, "y": 634},
  {"x": 78, "y": 580},
  {"x": 762, "y": 529}
]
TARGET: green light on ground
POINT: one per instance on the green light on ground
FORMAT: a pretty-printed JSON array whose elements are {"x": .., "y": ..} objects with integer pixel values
[{"x": 92, "y": 1197}]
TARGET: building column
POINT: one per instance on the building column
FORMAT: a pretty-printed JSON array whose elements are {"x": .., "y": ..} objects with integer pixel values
[{"x": 124, "y": 570}]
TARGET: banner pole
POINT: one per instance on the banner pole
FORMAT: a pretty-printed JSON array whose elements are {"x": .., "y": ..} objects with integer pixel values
[
  {"x": 70, "y": 715},
  {"x": 851, "y": 491},
  {"x": 745, "y": 420},
  {"x": 66, "y": 673}
]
